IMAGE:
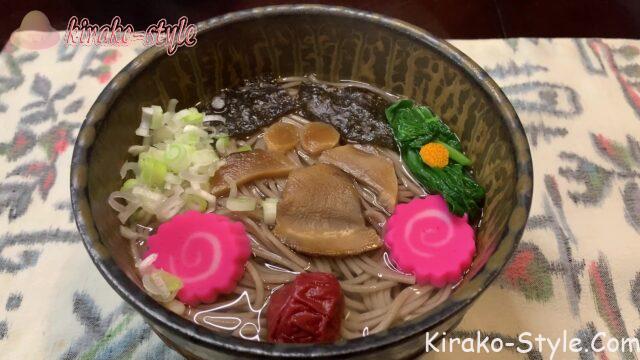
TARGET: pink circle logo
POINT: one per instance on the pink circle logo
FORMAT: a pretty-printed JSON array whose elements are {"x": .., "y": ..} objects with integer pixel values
[{"x": 35, "y": 32}]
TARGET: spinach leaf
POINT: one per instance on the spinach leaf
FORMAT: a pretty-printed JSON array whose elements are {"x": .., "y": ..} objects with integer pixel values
[
  {"x": 410, "y": 123},
  {"x": 414, "y": 126}
]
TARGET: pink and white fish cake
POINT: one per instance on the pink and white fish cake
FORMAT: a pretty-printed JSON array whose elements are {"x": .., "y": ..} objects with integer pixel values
[
  {"x": 426, "y": 240},
  {"x": 206, "y": 251}
]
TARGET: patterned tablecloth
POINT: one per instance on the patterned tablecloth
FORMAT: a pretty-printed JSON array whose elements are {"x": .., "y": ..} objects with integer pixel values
[{"x": 576, "y": 269}]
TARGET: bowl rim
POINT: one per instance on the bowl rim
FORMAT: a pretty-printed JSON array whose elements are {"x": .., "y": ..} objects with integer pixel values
[{"x": 185, "y": 329}]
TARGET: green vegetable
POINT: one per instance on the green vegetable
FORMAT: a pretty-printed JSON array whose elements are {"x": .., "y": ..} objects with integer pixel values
[
  {"x": 176, "y": 156},
  {"x": 221, "y": 144},
  {"x": 414, "y": 126},
  {"x": 156, "y": 117},
  {"x": 194, "y": 202},
  {"x": 269, "y": 210},
  {"x": 204, "y": 157},
  {"x": 219, "y": 135},
  {"x": 152, "y": 171},
  {"x": 456, "y": 155},
  {"x": 129, "y": 184},
  {"x": 193, "y": 117},
  {"x": 161, "y": 134},
  {"x": 148, "y": 197},
  {"x": 459, "y": 190},
  {"x": 243, "y": 148},
  {"x": 191, "y": 135},
  {"x": 172, "y": 282},
  {"x": 140, "y": 217},
  {"x": 241, "y": 203}
]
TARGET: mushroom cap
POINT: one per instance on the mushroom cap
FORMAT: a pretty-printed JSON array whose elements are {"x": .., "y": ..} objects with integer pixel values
[
  {"x": 281, "y": 137},
  {"x": 247, "y": 166},
  {"x": 320, "y": 214},
  {"x": 318, "y": 136},
  {"x": 365, "y": 163}
]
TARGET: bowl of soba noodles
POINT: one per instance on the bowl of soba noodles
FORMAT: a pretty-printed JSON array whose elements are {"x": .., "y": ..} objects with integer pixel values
[{"x": 305, "y": 181}]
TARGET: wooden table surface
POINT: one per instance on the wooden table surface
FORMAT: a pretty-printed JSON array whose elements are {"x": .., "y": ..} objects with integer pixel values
[{"x": 459, "y": 19}]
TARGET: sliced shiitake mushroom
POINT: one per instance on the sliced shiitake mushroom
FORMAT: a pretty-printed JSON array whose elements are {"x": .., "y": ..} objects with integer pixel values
[
  {"x": 248, "y": 166},
  {"x": 320, "y": 214},
  {"x": 318, "y": 136},
  {"x": 365, "y": 163},
  {"x": 281, "y": 137}
]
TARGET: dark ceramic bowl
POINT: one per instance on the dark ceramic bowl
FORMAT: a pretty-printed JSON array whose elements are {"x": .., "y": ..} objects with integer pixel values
[{"x": 334, "y": 43}]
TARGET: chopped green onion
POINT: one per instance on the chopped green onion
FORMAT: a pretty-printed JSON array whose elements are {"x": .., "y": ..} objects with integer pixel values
[
  {"x": 149, "y": 198},
  {"x": 154, "y": 286},
  {"x": 241, "y": 203},
  {"x": 171, "y": 106},
  {"x": 176, "y": 156},
  {"x": 195, "y": 129},
  {"x": 156, "y": 117},
  {"x": 153, "y": 152},
  {"x": 161, "y": 285},
  {"x": 152, "y": 171},
  {"x": 145, "y": 122},
  {"x": 180, "y": 114},
  {"x": 129, "y": 184},
  {"x": 140, "y": 217},
  {"x": 204, "y": 157},
  {"x": 172, "y": 282},
  {"x": 172, "y": 179},
  {"x": 221, "y": 144},
  {"x": 190, "y": 138},
  {"x": 456, "y": 155},
  {"x": 194, "y": 118},
  {"x": 191, "y": 135},
  {"x": 269, "y": 209},
  {"x": 161, "y": 134},
  {"x": 243, "y": 148},
  {"x": 175, "y": 306},
  {"x": 219, "y": 135},
  {"x": 193, "y": 202},
  {"x": 201, "y": 194},
  {"x": 189, "y": 116},
  {"x": 214, "y": 118}
]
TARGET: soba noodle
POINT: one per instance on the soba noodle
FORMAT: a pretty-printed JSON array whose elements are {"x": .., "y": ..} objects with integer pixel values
[{"x": 377, "y": 296}]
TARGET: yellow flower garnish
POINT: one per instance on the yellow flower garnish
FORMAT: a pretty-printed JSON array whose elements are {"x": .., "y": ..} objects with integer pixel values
[{"x": 435, "y": 155}]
